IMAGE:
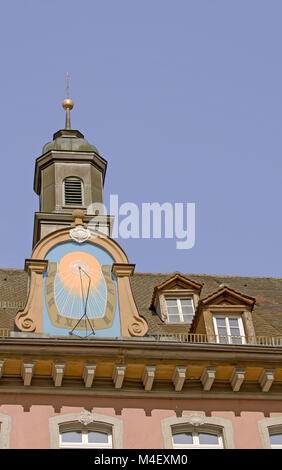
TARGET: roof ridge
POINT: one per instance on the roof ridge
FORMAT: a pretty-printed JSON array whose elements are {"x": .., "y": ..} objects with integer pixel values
[
  {"x": 207, "y": 275},
  {"x": 228, "y": 276}
]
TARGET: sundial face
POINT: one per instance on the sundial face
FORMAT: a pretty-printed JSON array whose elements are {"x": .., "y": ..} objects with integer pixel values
[{"x": 80, "y": 292}]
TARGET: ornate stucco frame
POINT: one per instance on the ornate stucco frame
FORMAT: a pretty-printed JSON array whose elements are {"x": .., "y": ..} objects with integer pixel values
[
  {"x": 267, "y": 425},
  {"x": 30, "y": 319},
  {"x": 199, "y": 421},
  {"x": 103, "y": 422}
]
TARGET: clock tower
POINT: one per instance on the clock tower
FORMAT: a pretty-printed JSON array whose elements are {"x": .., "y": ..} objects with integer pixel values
[{"x": 69, "y": 175}]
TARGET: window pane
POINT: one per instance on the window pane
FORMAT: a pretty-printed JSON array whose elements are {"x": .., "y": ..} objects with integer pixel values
[
  {"x": 187, "y": 309},
  {"x": 71, "y": 436},
  {"x": 100, "y": 437},
  {"x": 171, "y": 302},
  {"x": 186, "y": 302},
  {"x": 172, "y": 310},
  {"x": 183, "y": 438},
  {"x": 222, "y": 331},
  {"x": 276, "y": 439},
  {"x": 207, "y": 438},
  {"x": 234, "y": 322},
  {"x": 235, "y": 331},
  {"x": 220, "y": 321},
  {"x": 174, "y": 318}
]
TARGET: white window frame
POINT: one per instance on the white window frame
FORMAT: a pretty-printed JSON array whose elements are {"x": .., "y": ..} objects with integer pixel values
[
  {"x": 179, "y": 306},
  {"x": 267, "y": 427},
  {"x": 227, "y": 317},
  {"x": 97, "y": 422},
  {"x": 197, "y": 422},
  {"x": 84, "y": 441},
  {"x": 195, "y": 436}
]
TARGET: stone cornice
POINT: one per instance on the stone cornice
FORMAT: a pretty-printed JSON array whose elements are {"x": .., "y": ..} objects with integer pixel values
[
  {"x": 138, "y": 368},
  {"x": 123, "y": 269},
  {"x": 67, "y": 156},
  {"x": 162, "y": 392},
  {"x": 37, "y": 265},
  {"x": 138, "y": 348}
]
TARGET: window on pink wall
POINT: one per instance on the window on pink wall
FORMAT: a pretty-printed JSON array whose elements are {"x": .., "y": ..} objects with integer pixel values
[
  {"x": 197, "y": 431},
  {"x": 275, "y": 440},
  {"x": 202, "y": 439},
  {"x": 84, "y": 438},
  {"x": 270, "y": 430},
  {"x": 85, "y": 430}
]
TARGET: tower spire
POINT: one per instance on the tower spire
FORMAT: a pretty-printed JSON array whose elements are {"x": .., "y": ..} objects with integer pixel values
[{"x": 68, "y": 104}]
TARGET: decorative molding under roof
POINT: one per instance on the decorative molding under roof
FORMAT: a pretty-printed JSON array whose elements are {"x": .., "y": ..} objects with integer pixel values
[
  {"x": 176, "y": 281},
  {"x": 228, "y": 292}
]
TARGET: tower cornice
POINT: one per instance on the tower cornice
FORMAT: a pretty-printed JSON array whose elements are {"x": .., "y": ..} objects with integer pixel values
[{"x": 69, "y": 156}]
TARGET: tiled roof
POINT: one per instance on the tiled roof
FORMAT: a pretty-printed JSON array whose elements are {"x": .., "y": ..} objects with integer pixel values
[
  {"x": 13, "y": 293},
  {"x": 267, "y": 312}
]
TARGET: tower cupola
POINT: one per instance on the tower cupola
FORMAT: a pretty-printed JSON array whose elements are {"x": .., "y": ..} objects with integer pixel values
[{"x": 69, "y": 175}]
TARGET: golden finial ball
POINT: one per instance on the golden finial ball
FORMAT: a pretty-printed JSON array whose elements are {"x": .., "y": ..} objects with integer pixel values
[{"x": 67, "y": 103}]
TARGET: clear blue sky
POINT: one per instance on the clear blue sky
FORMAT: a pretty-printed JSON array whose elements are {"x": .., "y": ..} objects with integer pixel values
[{"x": 182, "y": 97}]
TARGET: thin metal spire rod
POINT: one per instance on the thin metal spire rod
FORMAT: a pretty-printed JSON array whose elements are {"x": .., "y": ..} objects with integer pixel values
[
  {"x": 68, "y": 104},
  {"x": 68, "y": 85},
  {"x": 68, "y": 123}
]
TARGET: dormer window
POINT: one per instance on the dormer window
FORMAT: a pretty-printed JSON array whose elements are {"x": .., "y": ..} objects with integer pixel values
[
  {"x": 225, "y": 317},
  {"x": 229, "y": 329},
  {"x": 179, "y": 310},
  {"x": 73, "y": 191},
  {"x": 175, "y": 300}
]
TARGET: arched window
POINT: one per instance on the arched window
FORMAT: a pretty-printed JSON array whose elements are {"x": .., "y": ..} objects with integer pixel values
[
  {"x": 73, "y": 191},
  {"x": 275, "y": 437},
  {"x": 197, "y": 431},
  {"x": 190, "y": 438},
  {"x": 85, "y": 430},
  {"x": 91, "y": 437},
  {"x": 271, "y": 432}
]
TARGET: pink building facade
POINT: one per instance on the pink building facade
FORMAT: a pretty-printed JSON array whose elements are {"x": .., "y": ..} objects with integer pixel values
[{"x": 31, "y": 420}]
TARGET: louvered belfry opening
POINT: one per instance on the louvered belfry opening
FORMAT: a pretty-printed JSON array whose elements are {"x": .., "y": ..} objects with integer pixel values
[{"x": 73, "y": 191}]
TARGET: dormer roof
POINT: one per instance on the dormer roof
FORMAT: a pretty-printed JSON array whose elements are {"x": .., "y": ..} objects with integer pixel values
[
  {"x": 177, "y": 281},
  {"x": 227, "y": 295}
]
